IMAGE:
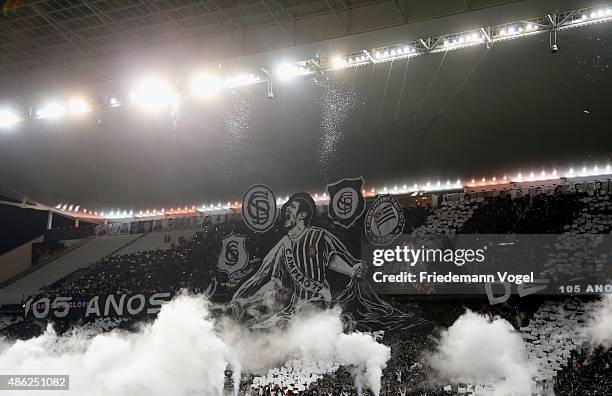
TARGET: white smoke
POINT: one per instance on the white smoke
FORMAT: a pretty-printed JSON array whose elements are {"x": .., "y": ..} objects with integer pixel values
[
  {"x": 178, "y": 354},
  {"x": 184, "y": 353},
  {"x": 599, "y": 326},
  {"x": 312, "y": 336},
  {"x": 483, "y": 351}
]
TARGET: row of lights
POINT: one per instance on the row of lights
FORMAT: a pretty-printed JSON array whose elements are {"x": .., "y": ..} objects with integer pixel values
[
  {"x": 321, "y": 198},
  {"x": 151, "y": 93},
  {"x": 465, "y": 39},
  {"x": 469, "y": 38},
  {"x": 154, "y": 93},
  {"x": 514, "y": 30},
  {"x": 394, "y": 52},
  {"x": 599, "y": 14}
]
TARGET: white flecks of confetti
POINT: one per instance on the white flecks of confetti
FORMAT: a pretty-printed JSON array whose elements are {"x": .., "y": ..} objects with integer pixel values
[
  {"x": 176, "y": 111},
  {"x": 336, "y": 103},
  {"x": 237, "y": 118}
]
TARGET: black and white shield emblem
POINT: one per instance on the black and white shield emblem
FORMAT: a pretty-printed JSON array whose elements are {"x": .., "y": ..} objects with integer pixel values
[
  {"x": 234, "y": 256},
  {"x": 346, "y": 202},
  {"x": 259, "y": 208},
  {"x": 384, "y": 221}
]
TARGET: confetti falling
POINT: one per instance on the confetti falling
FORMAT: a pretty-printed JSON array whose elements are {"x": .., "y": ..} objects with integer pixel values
[
  {"x": 591, "y": 64},
  {"x": 237, "y": 119},
  {"x": 176, "y": 111},
  {"x": 336, "y": 103}
]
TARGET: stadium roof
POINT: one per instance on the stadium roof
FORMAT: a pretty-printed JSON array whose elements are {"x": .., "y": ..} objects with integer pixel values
[{"x": 40, "y": 34}]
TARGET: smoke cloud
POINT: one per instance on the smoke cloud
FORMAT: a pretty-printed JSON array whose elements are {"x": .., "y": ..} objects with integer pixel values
[
  {"x": 184, "y": 352},
  {"x": 599, "y": 327},
  {"x": 483, "y": 351},
  {"x": 313, "y": 336},
  {"x": 178, "y": 354}
]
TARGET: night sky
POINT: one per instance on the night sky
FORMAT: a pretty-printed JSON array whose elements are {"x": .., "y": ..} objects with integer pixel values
[{"x": 468, "y": 113}]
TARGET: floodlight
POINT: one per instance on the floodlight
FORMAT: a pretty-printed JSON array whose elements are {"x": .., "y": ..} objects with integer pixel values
[
  {"x": 241, "y": 80},
  {"x": 78, "y": 106},
  {"x": 8, "y": 118},
  {"x": 288, "y": 70},
  {"x": 52, "y": 110},
  {"x": 338, "y": 62},
  {"x": 152, "y": 94},
  {"x": 206, "y": 85}
]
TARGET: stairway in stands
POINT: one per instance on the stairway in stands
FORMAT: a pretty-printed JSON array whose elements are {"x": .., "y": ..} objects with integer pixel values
[{"x": 85, "y": 255}]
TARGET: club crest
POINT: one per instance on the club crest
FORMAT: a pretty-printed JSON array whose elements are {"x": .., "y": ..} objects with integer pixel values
[
  {"x": 346, "y": 203},
  {"x": 233, "y": 256},
  {"x": 384, "y": 221},
  {"x": 259, "y": 208}
]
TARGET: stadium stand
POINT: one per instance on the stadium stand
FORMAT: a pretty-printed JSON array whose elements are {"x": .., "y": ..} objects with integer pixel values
[
  {"x": 156, "y": 260},
  {"x": 450, "y": 216},
  {"x": 84, "y": 255},
  {"x": 155, "y": 241},
  {"x": 187, "y": 259}
]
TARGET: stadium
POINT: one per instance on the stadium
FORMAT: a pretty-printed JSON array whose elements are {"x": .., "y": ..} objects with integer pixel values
[{"x": 305, "y": 197}]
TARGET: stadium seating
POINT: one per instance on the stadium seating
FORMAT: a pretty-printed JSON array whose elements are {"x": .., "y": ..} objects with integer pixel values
[
  {"x": 155, "y": 241},
  {"x": 85, "y": 255},
  {"x": 449, "y": 217}
]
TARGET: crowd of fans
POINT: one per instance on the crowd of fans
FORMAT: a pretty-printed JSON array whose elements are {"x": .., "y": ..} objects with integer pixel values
[
  {"x": 187, "y": 264},
  {"x": 192, "y": 263},
  {"x": 587, "y": 374}
]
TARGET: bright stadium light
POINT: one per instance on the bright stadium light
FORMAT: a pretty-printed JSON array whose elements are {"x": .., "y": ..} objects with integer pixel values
[
  {"x": 152, "y": 94},
  {"x": 78, "y": 106},
  {"x": 241, "y": 80},
  {"x": 288, "y": 70},
  {"x": 206, "y": 85},
  {"x": 51, "y": 110},
  {"x": 338, "y": 62},
  {"x": 8, "y": 118}
]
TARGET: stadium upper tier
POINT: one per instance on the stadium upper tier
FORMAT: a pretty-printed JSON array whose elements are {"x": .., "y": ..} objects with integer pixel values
[
  {"x": 520, "y": 179},
  {"x": 79, "y": 256}
]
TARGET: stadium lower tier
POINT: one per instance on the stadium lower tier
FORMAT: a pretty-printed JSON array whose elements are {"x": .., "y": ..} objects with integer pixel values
[{"x": 550, "y": 330}]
